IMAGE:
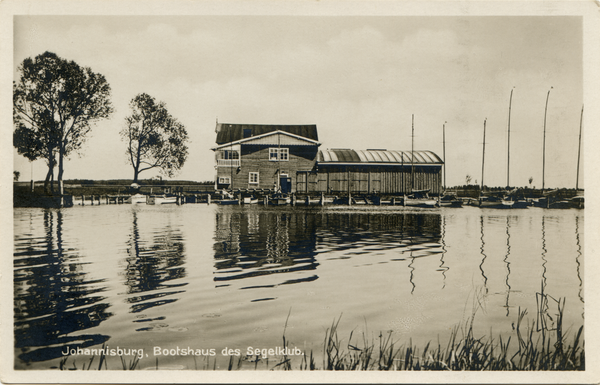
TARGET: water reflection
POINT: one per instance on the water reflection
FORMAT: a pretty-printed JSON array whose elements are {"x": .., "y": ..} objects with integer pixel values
[
  {"x": 507, "y": 265},
  {"x": 485, "y": 278},
  {"x": 443, "y": 268},
  {"x": 579, "y": 254},
  {"x": 151, "y": 265},
  {"x": 54, "y": 296},
  {"x": 253, "y": 244}
]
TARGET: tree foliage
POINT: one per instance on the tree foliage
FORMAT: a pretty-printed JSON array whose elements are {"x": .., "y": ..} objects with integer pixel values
[
  {"x": 154, "y": 138},
  {"x": 55, "y": 104}
]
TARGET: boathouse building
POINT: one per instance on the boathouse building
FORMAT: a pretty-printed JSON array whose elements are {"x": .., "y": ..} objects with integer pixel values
[
  {"x": 264, "y": 156},
  {"x": 287, "y": 158}
]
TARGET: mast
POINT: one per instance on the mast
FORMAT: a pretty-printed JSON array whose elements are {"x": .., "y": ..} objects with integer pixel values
[
  {"x": 483, "y": 157},
  {"x": 579, "y": 149},
  {"x": 544, "y": 153},
  {"x": 412, "y": 156},
  {"x": 444, "y": 141},
  {"x": 508, "y": 165}
]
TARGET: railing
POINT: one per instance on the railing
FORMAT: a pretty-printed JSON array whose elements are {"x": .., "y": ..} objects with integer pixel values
[{"x": 228, "y": 163}]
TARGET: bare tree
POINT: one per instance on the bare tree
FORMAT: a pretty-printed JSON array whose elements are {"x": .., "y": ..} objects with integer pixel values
[{"x": 468, "y": 179}]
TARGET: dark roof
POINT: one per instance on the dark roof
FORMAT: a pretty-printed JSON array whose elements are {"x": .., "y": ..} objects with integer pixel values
[
  {"x": 344, "y": 155},
  {"x": 231, "y": 132}
]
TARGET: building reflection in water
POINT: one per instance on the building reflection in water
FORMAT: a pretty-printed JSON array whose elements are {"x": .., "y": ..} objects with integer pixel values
[
  {"x": 54, "y": 297},
  {"x": 262, "y": 243},
  {"x": 251, "y": 244},
  {"x": 151, "y": 265}
]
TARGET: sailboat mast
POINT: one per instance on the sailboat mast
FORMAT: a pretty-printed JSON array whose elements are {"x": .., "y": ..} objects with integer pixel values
[
  {"x": 412, "y": 156},
  {"x": 444, "y": 141},
  {"x": 483, "y": 157},
  {"x": 544, "y": 151},
  {"x": 508, "y": 165},
  {"x": 579, "y": 149}
]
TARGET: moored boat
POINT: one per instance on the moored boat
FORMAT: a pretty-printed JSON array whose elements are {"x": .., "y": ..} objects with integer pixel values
[
  {"x": 419, "y": 198},
  {"x": 161, "y": 200},
  {"x": 577, "y": 202},
  {"x": 450, "y": 200},
  {"x": 280, "y": 199},
  {"x": 137, "y": 198},
  {"x": 250, "y": 200}
]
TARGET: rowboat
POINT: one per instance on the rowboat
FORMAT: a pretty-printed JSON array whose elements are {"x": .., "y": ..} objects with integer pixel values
[
  {"x": 280, "y": 199},
  {"x": 137, "y": 198},
  {"x": 161, "y": 200},
  {"x": 250, "y": 200}
]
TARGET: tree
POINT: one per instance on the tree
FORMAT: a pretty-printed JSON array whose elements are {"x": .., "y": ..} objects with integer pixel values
[
  {"x": 468, "y": 179},
  {"x": 16, "y": 175},
  {"x": 154, "y": 138},
  {"x": 55, "y": 104}
]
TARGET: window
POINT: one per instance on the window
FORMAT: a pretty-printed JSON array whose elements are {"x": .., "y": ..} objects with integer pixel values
[
  {"x": 279, "y": 154},
  {"x": 229, "y": 154},
  {"x": 253, "y": 178},
  {"x": 224, "y": 180}
]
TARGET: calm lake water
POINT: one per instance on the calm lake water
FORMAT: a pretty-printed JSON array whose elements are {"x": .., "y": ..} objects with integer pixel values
[{"x": 208, "y": 277}]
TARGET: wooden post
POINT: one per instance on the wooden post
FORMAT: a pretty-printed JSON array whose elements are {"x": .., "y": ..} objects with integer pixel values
[
  {"x": 83, "y": 200},
  {"x": 349, "y": 198},
  {"x": 293, "y": 199},
  {"x": 322, "y": 200},
  {"x": 208, "y": 199},
  {"x": 307, "y": 200}
]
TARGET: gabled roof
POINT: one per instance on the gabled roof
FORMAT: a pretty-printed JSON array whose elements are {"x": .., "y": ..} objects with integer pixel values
[
  {"x": 259, "y": 139},
  {"x": 343, "y": 155},
  {"x": 227, "y": 132}
]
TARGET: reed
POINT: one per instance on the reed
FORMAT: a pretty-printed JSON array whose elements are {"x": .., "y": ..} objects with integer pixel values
[{"x": 540, "y": 345}]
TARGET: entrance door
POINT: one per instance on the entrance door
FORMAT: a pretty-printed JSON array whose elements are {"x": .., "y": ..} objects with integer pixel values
[{"x": 286, "y": 183}]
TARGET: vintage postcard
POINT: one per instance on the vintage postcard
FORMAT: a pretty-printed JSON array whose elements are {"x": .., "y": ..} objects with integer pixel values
[{"x": 299, "y": 191}]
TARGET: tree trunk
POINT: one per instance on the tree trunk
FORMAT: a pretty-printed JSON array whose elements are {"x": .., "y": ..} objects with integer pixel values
[
  {"x": 47, "y": 181},
  {"x": 60, "y": 164}
]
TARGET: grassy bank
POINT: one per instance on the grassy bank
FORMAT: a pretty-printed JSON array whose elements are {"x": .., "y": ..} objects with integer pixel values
[{"x": 540, "y": 345}]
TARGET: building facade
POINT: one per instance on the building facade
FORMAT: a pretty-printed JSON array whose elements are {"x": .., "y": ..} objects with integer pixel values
[
  {"x": 264, "y": 157},
  {"x": 287, "y": 158},
  {"x": 376, "y": 172}
]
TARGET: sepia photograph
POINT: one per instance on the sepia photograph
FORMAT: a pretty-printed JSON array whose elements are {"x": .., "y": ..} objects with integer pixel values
[{"x": 299, "y": 191}]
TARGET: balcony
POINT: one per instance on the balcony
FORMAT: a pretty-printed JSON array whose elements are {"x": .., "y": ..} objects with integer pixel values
[{"x": 228, "y": 163}]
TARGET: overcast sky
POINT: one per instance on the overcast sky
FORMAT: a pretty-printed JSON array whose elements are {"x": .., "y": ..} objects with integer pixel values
[{"x": 358, "y": 78}]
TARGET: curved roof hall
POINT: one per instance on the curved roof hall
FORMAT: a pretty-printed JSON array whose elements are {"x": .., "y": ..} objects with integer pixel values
[{"x": 345, "y": 155}]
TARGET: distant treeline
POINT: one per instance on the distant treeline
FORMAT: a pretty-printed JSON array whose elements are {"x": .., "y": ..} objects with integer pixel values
[
  {"x": 473, "y": 191},
  {"x": 23, "y": 196}
]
